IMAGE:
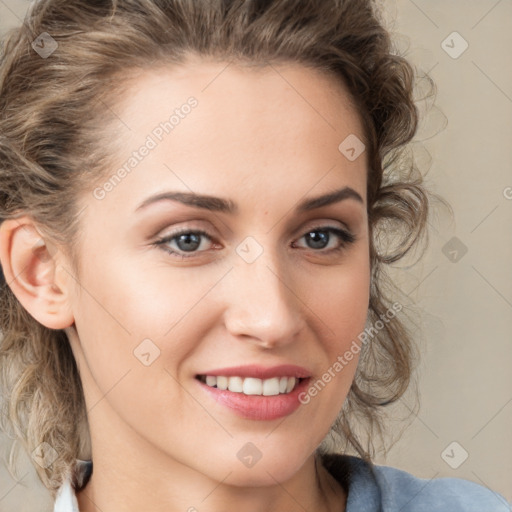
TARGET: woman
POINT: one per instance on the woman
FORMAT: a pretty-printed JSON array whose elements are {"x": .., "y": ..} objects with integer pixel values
[{"x": 195, "y": 198}]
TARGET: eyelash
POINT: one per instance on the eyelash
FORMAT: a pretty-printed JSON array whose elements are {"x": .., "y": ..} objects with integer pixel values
[{"x": 345, "y": 237}]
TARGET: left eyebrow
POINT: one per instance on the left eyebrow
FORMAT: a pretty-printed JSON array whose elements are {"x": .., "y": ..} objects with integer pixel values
[
  {"x": 218, "y": 204},
  {"x": 327, "y": 199}
]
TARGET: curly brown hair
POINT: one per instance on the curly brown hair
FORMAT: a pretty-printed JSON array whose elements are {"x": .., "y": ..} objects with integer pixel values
[{"x": 52, "y": 150}]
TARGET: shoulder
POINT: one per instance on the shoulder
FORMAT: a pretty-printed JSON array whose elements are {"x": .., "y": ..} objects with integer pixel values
[
  {"x": 387, "y": 489},
  {"x": 401, "y": 490}
]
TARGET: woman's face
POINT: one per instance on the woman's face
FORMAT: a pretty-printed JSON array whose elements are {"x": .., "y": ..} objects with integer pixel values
[{"x": 210, "y": 260}]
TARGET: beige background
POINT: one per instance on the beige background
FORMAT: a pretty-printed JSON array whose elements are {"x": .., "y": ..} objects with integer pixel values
[{"x": 465, "y": 300}]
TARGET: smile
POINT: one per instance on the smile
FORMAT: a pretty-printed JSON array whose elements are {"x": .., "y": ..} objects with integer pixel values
[{"x": 251, "y": 385}]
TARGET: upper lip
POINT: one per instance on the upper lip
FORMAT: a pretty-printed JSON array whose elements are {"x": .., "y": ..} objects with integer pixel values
[{"x": 261, "y": 372}]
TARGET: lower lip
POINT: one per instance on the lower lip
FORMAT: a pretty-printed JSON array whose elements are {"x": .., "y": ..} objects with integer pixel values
[{"x": 258, "y": 407}]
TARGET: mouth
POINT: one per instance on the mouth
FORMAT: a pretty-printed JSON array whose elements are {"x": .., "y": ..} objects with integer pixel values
[
  {"x": 252, "y": 386},
  {"x": 256, "y": 392}
]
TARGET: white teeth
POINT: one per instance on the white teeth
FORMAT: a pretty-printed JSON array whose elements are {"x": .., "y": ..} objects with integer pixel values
[
  {"x": 251, "y": 385},
  {"x": 236, "y": 384},
  {"x": 271, "y": 387},
  {"x": 222, "y": 382},
  {"x": 291, "y": 384},
  {"x": 211, "y": 381}
]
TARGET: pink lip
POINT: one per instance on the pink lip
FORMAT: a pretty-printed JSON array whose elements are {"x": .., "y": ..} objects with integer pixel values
[
  {"x": 260, "y": 372},
  {"x": 256, "y": 407}
]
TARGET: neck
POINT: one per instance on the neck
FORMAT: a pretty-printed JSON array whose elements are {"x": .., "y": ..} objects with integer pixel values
[{"x": 182, "y": 489}]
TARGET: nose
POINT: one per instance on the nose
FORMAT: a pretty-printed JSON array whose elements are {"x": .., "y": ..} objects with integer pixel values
[{"x": 261, "y": 303}]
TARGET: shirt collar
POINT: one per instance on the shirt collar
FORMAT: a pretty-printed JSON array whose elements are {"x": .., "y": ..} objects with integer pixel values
[{"x": 65, "y": 500}]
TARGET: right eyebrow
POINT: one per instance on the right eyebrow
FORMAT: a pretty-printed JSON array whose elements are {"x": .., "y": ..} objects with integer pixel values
[
  {"x": 211, "y": 203},
  {"x": 218, "y": 204}
]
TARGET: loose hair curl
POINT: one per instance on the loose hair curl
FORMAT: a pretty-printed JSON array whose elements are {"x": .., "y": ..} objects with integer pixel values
[{"x": 52, "y": 122}]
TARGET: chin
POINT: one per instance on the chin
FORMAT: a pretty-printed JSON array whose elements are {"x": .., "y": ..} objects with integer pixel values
[
  {"x": 263, "y": 466},
  {"x": 263, "y": 475}
]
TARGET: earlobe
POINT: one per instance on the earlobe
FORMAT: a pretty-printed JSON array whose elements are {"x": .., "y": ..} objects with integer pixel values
[{"x": 31, "y": 270}]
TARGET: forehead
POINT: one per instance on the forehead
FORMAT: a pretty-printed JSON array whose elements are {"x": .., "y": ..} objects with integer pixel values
[
  {"x": 276, "y": 95},
  {"x": 284, "y": 125}
]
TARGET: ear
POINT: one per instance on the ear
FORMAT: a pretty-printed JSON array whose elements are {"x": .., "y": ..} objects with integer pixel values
[{"x": 35, "y": 276}]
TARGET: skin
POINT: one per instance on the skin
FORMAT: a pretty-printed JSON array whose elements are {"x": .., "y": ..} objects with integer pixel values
[{"x": 265, "y": 139}]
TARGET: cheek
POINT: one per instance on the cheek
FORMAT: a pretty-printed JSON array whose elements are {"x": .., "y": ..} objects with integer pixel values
[
  {"x": 147, "y": 321},
  {"x": 129, "y": 362},
  {"x": 141, "y": 300},
  {"x": 341, "y": 301}
]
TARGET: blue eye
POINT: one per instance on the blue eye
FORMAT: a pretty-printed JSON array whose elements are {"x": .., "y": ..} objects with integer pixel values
[
  {"x": 189, "y": 241},
  {"x": 321, "y": 236},
  {"x": 185, "y": 241}
]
